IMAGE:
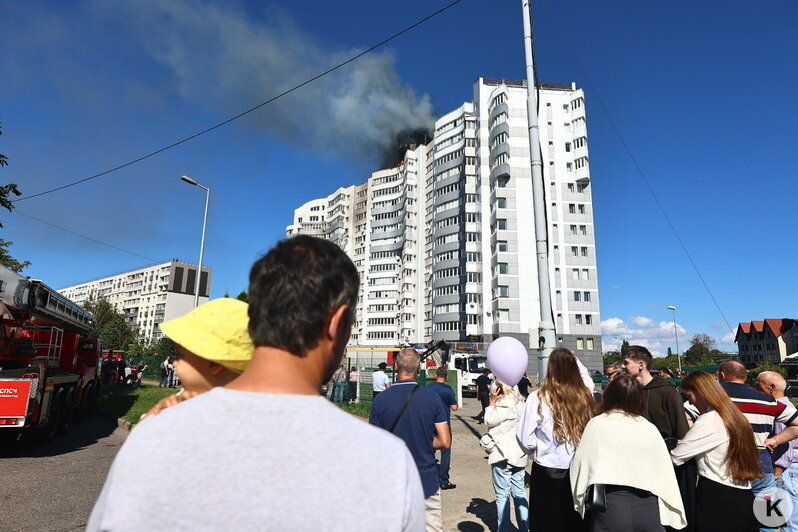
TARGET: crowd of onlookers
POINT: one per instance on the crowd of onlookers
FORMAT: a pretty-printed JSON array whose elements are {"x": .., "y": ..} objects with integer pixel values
[{"x": 258, "y": 448}]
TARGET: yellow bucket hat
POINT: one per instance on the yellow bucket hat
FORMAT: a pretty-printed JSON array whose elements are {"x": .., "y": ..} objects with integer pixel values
[{"x": 216, "y": 331}]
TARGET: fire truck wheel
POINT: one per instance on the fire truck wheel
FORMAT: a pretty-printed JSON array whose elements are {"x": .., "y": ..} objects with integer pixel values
[
  {"x": 89, "y": 402},
  {"x": 54, "y": 419},
  {"x": 68, "y": 414}
]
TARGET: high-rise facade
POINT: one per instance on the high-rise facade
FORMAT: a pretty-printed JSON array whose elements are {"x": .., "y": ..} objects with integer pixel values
[
  {"x": 445, "y": 242},
  {"x": 147, "y": 296}
]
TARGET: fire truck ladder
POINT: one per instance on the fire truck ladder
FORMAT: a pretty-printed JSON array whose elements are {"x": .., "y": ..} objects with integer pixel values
[{"x": 47, "y": 340}]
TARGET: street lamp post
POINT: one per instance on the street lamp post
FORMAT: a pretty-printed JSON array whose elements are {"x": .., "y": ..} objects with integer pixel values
[
  {"x": 202, "y": 239},
  {"x": 676, "y": 337}
]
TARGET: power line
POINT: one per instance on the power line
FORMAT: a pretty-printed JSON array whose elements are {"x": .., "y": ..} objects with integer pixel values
[
  {"x": 74, "y": 233},
  {"x": 634, "y": 161},
  {"x": 251, "y": 109}
]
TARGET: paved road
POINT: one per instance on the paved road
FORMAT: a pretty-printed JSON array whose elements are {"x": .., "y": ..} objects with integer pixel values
[{"x": 54, "y": 486}]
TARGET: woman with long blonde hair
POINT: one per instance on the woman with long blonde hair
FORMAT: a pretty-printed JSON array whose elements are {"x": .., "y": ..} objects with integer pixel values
[
  {"x": 550, "y": 429},
  {"x": 722, "y": 441}
]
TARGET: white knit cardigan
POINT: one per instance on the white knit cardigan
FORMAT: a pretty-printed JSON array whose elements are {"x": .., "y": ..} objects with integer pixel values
[{"x": 608, "y": 444}]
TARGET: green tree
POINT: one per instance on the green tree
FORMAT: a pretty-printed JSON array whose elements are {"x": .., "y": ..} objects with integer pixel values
[
  {"x": 624, "y": 346},
  {"x": 115, "y": 332},
  {"x": 701, "y": 345},
  {"x": 611, "y": 357},
  {"x": 670, "y": 353},
  {"x": 243, "y": 296},
  {"x": 7, "y": 260}
]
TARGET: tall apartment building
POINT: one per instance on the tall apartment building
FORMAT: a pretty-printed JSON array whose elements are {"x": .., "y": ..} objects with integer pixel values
[
  {"x": 147, "y": 296},
  {"x": 445, "y": 242}
]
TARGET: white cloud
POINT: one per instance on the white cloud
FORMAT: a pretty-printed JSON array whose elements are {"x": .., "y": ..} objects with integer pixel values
[
  {"x": 656, "y": 336},
  {"x": 718, "y": 325},
  {"x": 728, "y": 338},
  {"x": 642, "y": 321}
]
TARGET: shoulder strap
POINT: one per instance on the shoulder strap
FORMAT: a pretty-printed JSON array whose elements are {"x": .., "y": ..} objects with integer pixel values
[{"x": 404, "y": 407}]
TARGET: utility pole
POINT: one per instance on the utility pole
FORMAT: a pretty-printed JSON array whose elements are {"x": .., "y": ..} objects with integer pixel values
[{"x": 546, "y": 333}]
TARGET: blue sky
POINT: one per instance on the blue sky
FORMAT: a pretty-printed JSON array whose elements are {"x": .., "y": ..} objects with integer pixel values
[{"x": 702, "y": 91}]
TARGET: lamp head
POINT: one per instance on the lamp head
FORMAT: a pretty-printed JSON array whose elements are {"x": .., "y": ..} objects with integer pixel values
[
  {"x": 672, "y": 308},
  {"x": 188, "y": 180}
]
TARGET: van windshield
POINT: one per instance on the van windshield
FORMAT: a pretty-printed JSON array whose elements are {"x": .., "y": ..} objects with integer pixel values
[{"x": 477, "y": 363}]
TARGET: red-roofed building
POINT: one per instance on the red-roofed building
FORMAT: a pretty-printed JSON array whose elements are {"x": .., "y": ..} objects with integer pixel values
[{"x": 769, "y": 340}]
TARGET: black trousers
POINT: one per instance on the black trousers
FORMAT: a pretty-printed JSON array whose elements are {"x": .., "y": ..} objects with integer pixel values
[
  {"x": 721, "y": 507},
  {"x": 484, "y": 399},
  {"x": 628, "y": 511},
  {"x": 551, "y": 505}
]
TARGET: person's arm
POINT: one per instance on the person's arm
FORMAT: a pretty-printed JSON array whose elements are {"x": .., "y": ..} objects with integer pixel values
[
  {"x": 443, "y": 436},
  {"x": 676, "y": 415},
  {"x": 585, "y": 374},
  {"x": 699, "y": 439},
  {"x": 788, "y": 416},
  {"x": 525, "y": 434}
]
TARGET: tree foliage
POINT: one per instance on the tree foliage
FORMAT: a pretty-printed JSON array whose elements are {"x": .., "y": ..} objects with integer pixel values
[
  {"x": 767, "y": 366},
  {"x": 243, "y": 296},
  {"x": 701, "y": 345},
  {"x": 8, "y": 261},
  {"x": 114, "y": 331},
  {"x": 611, "y": 357}
]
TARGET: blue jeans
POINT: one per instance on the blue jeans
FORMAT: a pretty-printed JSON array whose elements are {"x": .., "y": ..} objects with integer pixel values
[
  {"x": 509, "y": 480},
  {"x": 443, "y": 466},
  {"x": 757, "y": 485},
  {"x": 789, "y": 483},
  {"x": 338, "y": 392}
]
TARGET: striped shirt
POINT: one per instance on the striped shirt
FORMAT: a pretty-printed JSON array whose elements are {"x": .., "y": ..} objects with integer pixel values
[{"x": 762, "y": 411}]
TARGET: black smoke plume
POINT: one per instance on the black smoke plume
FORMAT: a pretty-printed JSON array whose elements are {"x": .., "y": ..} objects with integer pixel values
[{"x": 407, "y": 139}]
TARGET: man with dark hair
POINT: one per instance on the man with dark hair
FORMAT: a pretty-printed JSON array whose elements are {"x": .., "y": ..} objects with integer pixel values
[
  {"x": 664, "y": 405},
  {"x": 762, "y": 411},
  {"x": 416, "y": 414},
  {"x": 483, "y": 393},
  {"x": 267, "y": 451},
  {"x": 449, "y": 401}
]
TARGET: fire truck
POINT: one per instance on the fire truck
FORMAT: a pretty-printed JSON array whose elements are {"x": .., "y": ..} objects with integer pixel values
[{"x": 48, "y": 364}]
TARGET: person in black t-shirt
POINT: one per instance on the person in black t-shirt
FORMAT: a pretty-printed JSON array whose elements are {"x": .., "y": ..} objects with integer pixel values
[
  {"x": 523, "y": 386},
  {"x": 483, "y": 393}
]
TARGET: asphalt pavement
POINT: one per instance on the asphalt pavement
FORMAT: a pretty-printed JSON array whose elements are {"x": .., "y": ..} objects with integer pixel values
[{"x": 53, "y": 486}]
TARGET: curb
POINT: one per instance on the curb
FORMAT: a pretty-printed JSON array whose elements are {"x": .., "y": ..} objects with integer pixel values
[{"x": 120, "y": 422}]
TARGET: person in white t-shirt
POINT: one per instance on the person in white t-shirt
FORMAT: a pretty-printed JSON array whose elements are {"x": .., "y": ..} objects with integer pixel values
[
  {"x": 379, "y": 379},
  {"x": 266, "y": 451}
]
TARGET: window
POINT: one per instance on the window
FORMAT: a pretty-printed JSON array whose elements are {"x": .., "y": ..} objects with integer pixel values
[
  {"x": 585, "y": 274},
  {"x": 501, "y": 223},
  {"x": 567, "y": 146},
  {"x": 504, "y": 291},
  {"x": 573, "y": 229},
  {"x": 501, "y": 245},
  {"x": 581, "y": 187},
  {"x": 589, "y": 343},
  {"x": 570, "y": 187},
  {"x": 503, "y": 267},
  {"x": 588, "y": 319},
  {"x": 572, "y": 208},
  {"x": 569, "y": 167},
  {"x": 583, "y": 251},
  {"x": 575, "y": 251},
  {"x": 583, "y": 229},
  {"x": 502, "y": 181},
  {"x": 577, "y": 296},
  {"x": 578, "y": 319},
  {"x": 501, "y": 203},
  {"x": 581, "y": 208},
  {"x": 586, "y": 296},
  {"x": 575, "y": 273},
  {"x": 580, "y": 343}
]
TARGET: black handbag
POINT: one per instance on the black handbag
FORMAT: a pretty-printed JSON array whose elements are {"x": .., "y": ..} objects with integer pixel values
[{"x": 596, "y": 498}]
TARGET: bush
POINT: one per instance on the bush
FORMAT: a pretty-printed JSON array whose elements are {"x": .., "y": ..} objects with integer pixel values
[{"x": 767, "y": 366}]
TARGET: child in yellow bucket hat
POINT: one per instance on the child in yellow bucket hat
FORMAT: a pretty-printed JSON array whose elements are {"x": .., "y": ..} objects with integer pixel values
[{"x": 214, "y": 347}]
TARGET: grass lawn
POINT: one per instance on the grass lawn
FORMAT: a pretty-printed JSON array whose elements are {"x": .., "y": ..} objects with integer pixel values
[
  {"x": 130, "y": 403},
  {"x": 360, "y": 410}
]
